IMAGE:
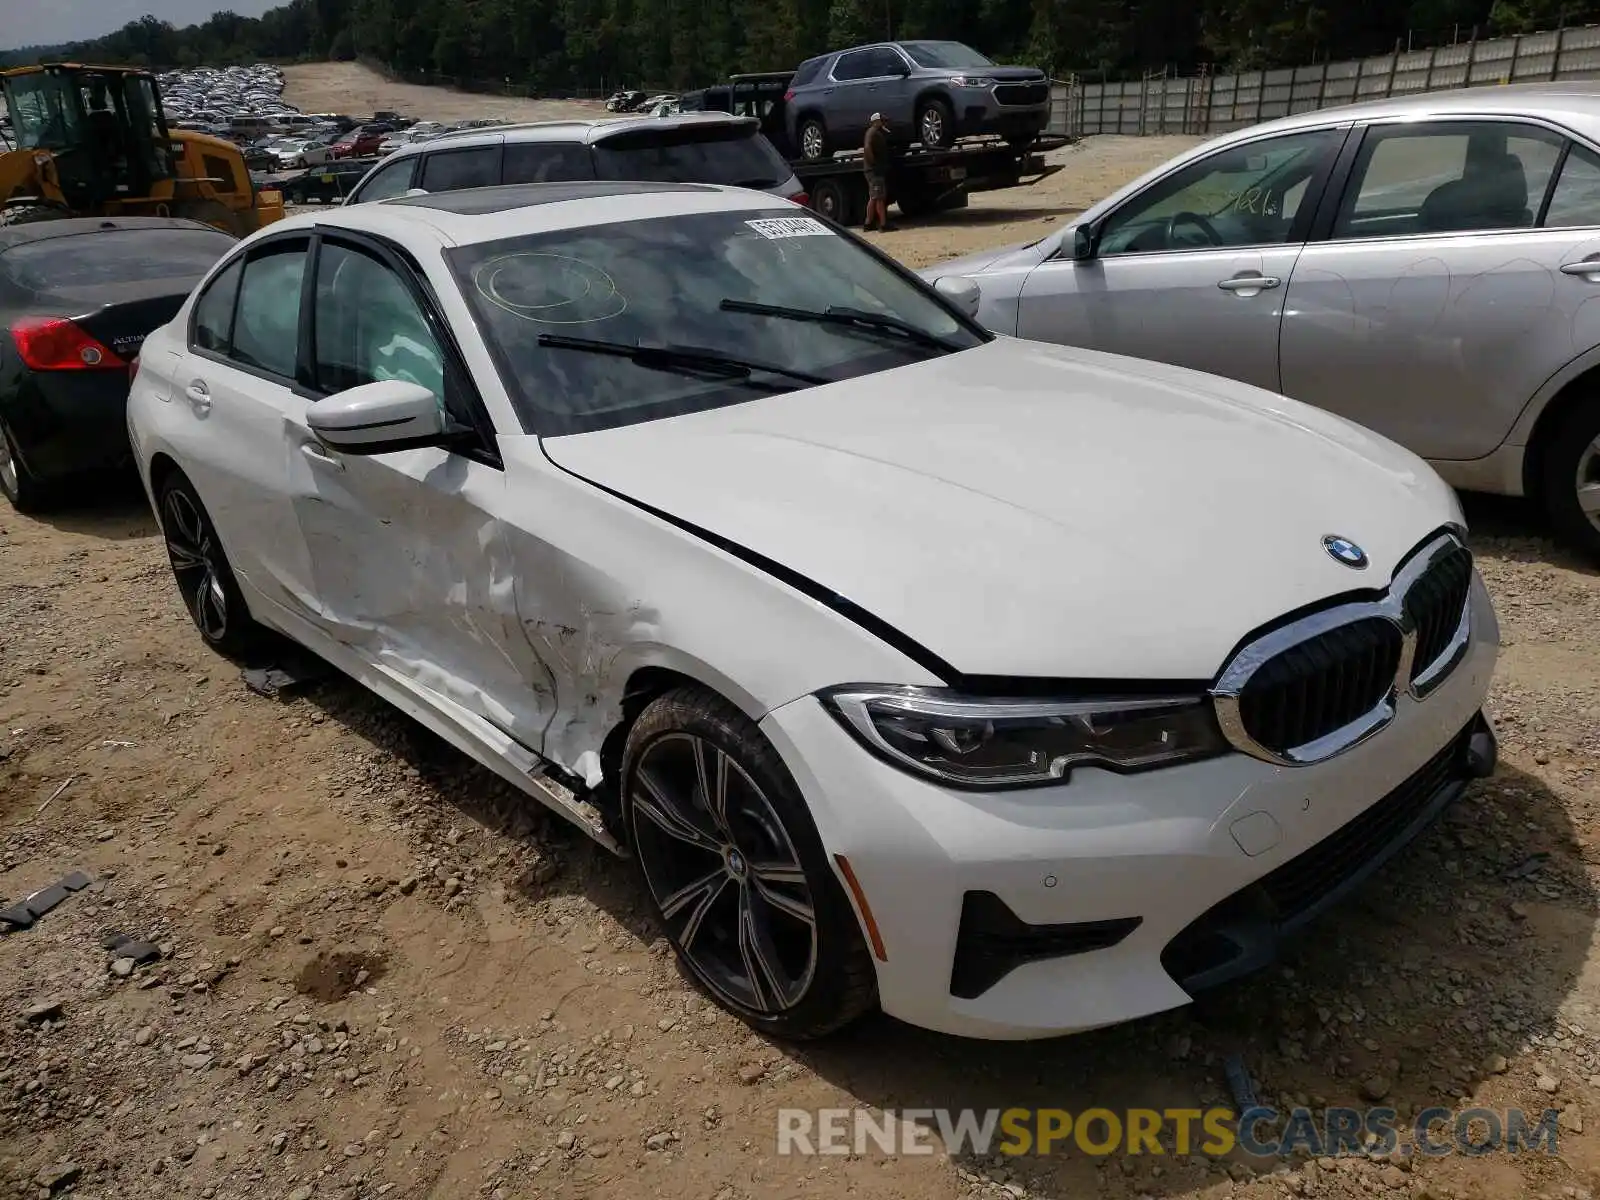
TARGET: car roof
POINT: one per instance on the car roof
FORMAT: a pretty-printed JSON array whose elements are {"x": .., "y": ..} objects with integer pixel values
[
  {"x": 472, "y": 215},
  {"x": 39, "y": 231},
  {"x": 1578, "y": 99},
  {"x": 588, "y": 130}
]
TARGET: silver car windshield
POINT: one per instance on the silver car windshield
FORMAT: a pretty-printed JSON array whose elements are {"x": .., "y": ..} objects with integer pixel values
[
  {"x": 952, "y": 56},
  {"x": 634, "y": 321}
]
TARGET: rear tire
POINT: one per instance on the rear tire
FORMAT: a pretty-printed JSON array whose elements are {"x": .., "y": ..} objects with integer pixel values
[
  {"x": 936, "y": 124},
  {"x": 736, "y": 872},
  {"x": 1571, "y": 483},
  {"x": 200, "y": 567},
  {"x": 17, "y": 483},
  {"x": 813, "y": 138}
]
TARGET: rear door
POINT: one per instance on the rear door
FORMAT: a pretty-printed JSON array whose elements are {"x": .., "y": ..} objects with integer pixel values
[
  {"x": 1191, "y": 270},
  {"x": 1444, "y": 294},
  {"x": 850, "y": 104},
  {"x": 238, "y": 396}
]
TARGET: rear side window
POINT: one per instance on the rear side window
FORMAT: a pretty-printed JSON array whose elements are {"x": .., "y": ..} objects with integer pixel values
[
  {"x": 449, "y": 171},
  {"x": 266, "y": 329},
  {"x": 392, "y": 179},
  {"x": 546, "y": 162},
  {"x": 213, "y": 312},
  {"x": 732, "y": 156},
  {"x": 114, "y": 256},
  {"x": 1576, "y": 200},
  {"x": 808, "y": 72}
]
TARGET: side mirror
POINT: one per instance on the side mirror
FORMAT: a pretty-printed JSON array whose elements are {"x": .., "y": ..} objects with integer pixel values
[
  {"x": 376, "y": 418},
  {"x": 1084, "y": 239},
  {"x": 962, "y": 292}
]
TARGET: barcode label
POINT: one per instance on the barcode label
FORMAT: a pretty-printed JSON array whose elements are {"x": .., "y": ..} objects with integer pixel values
[{"x": 788, "y": 227}]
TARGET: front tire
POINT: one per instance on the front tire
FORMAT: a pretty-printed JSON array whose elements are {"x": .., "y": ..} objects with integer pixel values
[
  {"x": 736, "y": 871},
  {"x": 200, "y": 567},
  {"x": 1571, "y": 483},
  {"x": 936, "y": 124}
]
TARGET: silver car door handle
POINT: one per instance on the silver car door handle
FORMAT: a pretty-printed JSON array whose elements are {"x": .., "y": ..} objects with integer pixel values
[
  {"x": 198, "y": 396},
  {"x": 1249, "y": 283},
  {"x": 1589, "y": 266},
  {"x": 321, "y": 457}
]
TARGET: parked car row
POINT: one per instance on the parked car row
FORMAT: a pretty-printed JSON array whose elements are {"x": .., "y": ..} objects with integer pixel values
[{"x": 473, "y": 436}]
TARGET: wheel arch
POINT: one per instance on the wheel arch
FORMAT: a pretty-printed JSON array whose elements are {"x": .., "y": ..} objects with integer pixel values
[
  {"x": 1570, "y": 392},
  {"x": 933, "y": 91}
]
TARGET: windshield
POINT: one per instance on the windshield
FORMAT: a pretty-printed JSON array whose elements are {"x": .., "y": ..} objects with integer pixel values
[
  {"x": 726, "y": 155},
  {"x": 114, "y": 256},
  {"x": 44, "y": 111},
  {"x": 663, "y": 283},
  {"x": 948, "y": 55}
]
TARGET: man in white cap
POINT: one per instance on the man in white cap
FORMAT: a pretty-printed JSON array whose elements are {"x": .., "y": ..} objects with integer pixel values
[{"x": 875, "y": 152}]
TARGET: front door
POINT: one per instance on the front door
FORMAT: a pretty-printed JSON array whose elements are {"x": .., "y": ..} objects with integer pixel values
[
  {"x": 1441, "y": 301},
  {"x": 1192, "y": 270},
  {"x": 406, "y": 548}
]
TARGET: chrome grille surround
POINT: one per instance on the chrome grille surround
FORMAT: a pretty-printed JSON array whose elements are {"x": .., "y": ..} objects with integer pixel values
[{"x": 1439, "y": 557}]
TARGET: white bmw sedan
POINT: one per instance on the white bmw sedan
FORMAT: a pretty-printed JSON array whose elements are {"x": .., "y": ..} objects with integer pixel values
[{"x": 1013, "y": 688}]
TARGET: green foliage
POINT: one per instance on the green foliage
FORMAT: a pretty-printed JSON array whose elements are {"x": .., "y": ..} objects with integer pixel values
[{"x": 555, "y": 45}]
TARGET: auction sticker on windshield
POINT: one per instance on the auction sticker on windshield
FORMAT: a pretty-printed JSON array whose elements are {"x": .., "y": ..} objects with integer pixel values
[{"x": 788, "y": 227}]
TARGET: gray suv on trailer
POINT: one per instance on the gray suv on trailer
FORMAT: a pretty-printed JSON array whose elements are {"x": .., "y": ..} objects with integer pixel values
[{"x": 930, "y": 92}]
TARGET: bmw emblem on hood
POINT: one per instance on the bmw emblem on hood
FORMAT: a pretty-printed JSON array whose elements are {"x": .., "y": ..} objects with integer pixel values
[{"x": 1342, "y": 549}]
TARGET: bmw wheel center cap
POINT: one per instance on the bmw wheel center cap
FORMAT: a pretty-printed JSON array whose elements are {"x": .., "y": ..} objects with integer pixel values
[{"x": 1343, "y": 550}]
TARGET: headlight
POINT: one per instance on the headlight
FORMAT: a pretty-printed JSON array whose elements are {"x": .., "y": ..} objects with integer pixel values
[
  {"x": 971, "y": 81},
  {"x": 979, "y": 743}
]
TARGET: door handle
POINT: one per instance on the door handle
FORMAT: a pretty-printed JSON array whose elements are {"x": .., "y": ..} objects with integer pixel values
[
  {"x": 1587, "y": 267},
  {"x": 199, "y": 396},
  {"x": 1249, "y": 283},
  {"x": 319, "y": 456}
]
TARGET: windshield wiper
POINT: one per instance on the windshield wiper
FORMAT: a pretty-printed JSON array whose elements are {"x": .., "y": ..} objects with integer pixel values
[
  {"x": 684, "y": 360},
  {"x": 854, "y": 318}
]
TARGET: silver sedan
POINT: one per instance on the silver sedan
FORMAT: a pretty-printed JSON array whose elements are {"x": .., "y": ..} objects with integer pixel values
[{"x": 1428, "y": 267}]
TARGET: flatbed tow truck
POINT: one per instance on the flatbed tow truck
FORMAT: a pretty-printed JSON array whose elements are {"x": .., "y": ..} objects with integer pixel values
[{"x": 921, "y": 181}]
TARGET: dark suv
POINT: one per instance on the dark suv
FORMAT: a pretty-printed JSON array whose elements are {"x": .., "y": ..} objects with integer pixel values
[
  {"x": 930, "y": 92},
  {"x": 686, "y": 148}
]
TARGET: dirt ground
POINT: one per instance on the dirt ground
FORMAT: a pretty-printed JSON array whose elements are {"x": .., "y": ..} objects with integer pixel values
[
  {"x": 378, "y": 972},
  {"x": 349, "y": 87}
]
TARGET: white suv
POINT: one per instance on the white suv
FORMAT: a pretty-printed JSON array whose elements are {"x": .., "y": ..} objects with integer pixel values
[{"x": 681, "y": 148}]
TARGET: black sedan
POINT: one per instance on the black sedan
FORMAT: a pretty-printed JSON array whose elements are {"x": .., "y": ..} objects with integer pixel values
[{"x": 77, "y": 299}]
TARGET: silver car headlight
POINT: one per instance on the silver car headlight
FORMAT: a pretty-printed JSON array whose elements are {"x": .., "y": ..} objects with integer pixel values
[
  {"x": 973, "y": 742},
  {"x": 971, "y": 81}
]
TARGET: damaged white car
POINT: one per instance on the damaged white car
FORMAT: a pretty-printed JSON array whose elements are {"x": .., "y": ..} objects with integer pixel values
[{"x": 1015, "y": 689}]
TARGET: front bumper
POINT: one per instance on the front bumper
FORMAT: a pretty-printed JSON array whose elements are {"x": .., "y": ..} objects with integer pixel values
[{"x": 1153, "y": 885}]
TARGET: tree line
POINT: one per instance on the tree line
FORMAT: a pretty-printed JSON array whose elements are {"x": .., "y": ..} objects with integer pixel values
[{"x": 552, "y": 46}]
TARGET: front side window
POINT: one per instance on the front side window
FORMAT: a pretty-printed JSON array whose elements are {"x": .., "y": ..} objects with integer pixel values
[
  {"x": 1576, "y": 199},
  {"x": 726, "y": 155},
  {"x": 450, "y": 171},
  {"x": 391, "y": 179},
  {"x": 369, "y": 326},
  {"x": 1447, "y": 177},
  {"x": 546, "y": 162},
  {"x": 634, "y": 321},
  {"x": 1249, "y": 195},
  {"x": 266, "y": 327},
  {"x": 884, "y": 62},
  {"x": 213, "y": 311},
  {"x": 949, "y": 56}
]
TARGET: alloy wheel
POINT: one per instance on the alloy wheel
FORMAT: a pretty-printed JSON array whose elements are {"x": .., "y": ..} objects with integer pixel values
[
  {"x": 932, "y": 126},
  {"x": 192, "y": 552},
  {"x": 811, "y": 141},
  {"x": 1588, "y": 482},
  {"x": 724, "y": 873}
]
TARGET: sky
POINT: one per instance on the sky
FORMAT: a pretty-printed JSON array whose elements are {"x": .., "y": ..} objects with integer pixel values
[{"x": 49, "y": 22}]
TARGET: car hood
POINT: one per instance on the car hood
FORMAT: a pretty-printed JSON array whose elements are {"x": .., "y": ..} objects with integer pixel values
[
  {"x": 983, "y": 260},
  {"x": 1030, "y": 510}
]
